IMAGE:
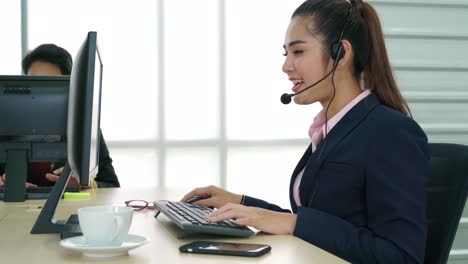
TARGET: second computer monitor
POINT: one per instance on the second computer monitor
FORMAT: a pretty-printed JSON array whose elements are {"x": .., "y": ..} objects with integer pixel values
[{"x": 84, "y": 111}]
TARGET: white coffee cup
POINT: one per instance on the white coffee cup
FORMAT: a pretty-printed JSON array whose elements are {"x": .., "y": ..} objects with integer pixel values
[{"x": 105, "y": 225}]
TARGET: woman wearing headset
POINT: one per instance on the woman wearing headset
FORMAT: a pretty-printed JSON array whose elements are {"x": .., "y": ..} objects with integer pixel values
[{"x": 359, "y": 189}]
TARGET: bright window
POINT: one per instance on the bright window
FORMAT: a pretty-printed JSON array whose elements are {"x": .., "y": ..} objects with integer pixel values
[
  {"x": 127, "y": 38},
  {"x": 191, "y": 89},
  {"x": 10, "y": 53}
]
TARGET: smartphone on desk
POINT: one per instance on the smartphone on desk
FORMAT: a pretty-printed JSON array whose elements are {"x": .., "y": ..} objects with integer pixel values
[{"x": 225, "y": 248}]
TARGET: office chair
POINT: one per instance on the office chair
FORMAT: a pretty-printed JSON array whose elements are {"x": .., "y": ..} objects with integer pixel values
[{"x": 446, "y": 197}]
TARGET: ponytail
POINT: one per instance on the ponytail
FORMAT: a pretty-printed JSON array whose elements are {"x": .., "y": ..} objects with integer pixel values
[{"x": 378, "y": 74}]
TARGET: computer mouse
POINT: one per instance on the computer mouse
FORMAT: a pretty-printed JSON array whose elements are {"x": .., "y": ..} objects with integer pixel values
[{"x": 195, "y": 199}]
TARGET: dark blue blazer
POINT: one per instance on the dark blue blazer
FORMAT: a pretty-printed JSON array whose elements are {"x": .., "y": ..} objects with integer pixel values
[{"x": 363, "y": 189}]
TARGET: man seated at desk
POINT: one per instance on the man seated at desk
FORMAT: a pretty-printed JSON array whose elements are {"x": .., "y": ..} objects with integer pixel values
[{"x": 49, "y": 59}]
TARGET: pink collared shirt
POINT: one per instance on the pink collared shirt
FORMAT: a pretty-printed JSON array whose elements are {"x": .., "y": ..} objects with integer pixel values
[{"x": 317, "y": 130}]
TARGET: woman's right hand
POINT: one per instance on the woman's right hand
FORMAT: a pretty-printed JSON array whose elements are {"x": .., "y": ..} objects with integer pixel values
[{"x": 213, "y": 196}]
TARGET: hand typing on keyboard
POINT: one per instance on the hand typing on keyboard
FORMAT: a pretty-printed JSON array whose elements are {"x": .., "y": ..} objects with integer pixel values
[
  {"x": 213, "y": 196},
  {"x": 54, "y": 176},
  {"x": 230, "y": 207},
  {"x": 272, "y": 222}
]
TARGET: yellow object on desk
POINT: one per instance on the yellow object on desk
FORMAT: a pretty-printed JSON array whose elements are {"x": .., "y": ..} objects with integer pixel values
[{"x": 76, "y": 195}]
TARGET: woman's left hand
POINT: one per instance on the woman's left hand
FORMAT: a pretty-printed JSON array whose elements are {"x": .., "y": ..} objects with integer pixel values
[
  {"x": 54, "y": 176},
  {"x": 264, "y": 220}
]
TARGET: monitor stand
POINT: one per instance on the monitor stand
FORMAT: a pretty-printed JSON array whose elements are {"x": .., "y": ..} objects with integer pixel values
[
  {"x": 72, "y": 227},
  {"x": 45, "y": 224},
  {"x": 16, "y": 170}
]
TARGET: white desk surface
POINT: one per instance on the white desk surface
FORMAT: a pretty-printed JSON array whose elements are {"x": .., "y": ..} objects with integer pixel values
[{"x": 17, "y": 245}]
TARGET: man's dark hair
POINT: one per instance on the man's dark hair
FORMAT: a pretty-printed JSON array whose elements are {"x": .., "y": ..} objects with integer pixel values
[{"x": 52, "y": 54}]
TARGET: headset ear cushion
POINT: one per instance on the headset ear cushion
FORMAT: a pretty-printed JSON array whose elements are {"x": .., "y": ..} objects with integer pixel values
[{"x": 337, "y": 51}]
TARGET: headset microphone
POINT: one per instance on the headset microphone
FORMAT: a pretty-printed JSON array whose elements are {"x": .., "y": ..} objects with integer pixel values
[{"x": 286, "y": 98}]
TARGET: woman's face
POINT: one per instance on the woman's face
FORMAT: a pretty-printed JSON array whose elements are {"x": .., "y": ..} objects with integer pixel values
[{"x": 306, "y": 63}]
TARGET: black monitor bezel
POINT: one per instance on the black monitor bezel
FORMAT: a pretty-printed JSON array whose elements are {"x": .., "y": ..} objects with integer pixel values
[{"x": 80, "y": 109}]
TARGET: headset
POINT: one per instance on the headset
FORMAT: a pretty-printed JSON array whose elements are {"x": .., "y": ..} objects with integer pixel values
[{"x": 337, "y": 50}]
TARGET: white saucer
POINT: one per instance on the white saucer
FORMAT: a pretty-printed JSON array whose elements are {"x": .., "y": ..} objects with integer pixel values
[{"x": 79, "y": 244}]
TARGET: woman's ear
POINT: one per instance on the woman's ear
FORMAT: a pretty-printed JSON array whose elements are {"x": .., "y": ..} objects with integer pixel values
[{"x": 346, "y": 60}]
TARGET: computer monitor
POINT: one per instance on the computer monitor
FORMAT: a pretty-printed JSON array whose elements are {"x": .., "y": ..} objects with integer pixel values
[
  {"x": 84, "y": 106},
  {"x": 33, "y": 125}
]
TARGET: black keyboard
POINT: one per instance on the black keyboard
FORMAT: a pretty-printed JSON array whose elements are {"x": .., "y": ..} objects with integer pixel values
[{"x": 191, "y": 218}]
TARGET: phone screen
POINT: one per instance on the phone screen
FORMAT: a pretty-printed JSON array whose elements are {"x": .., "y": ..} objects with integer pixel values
[
  {"x": 225, "y": 248},
  {"x": 233, "y": 247}
]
